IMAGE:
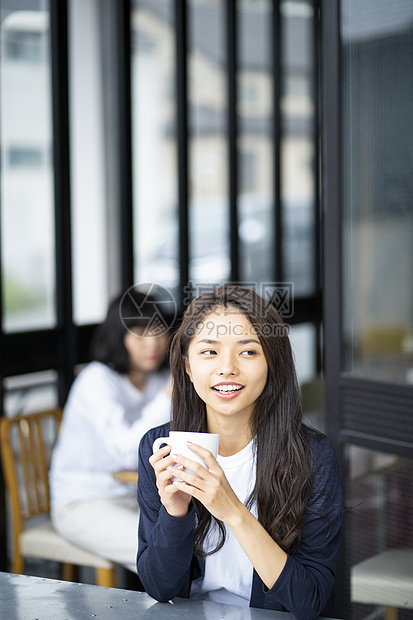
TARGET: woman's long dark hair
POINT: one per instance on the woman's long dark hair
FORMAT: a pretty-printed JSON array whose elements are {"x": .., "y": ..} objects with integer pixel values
[{"x": 283, "y": 480}]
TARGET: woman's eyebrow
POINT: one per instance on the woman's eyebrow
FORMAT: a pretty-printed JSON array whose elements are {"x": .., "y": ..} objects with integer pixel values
[{"x": 243, "y": 342}]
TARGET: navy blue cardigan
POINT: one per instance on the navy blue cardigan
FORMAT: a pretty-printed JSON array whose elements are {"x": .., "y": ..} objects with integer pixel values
[{"x": 167, "y": 565}]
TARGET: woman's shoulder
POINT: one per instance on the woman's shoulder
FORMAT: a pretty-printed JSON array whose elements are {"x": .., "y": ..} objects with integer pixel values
[
  {"x": 321, "y": 451},
  {"x": 158, "y": 380},
  {"x": 323, "y": 460},
  {"x": 97, "y": 371},
  {"x": 317, "y": 442},
  {"x": 96, "y": 378}
]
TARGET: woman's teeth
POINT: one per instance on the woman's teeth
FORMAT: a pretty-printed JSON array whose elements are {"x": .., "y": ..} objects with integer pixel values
[{"x": 228, "y": 388}]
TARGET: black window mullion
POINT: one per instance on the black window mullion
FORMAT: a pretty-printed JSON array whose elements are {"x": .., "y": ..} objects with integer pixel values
[
  {"x": 124, "y": 122},
  {"x": 276, "y": 90},
  {"x": 316, "y": 142},
  {"x": 318, "y": 222},
  {"x": 331, "y": 188},
  {"x": 61, "y": 166},
  {"x": 232, "y": 76},
  {"x": 181, "y": 51},
  {"x": 333, "y": 300}
]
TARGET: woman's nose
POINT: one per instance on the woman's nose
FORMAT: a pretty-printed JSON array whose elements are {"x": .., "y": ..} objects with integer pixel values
[{"x": 227, "y": 366}]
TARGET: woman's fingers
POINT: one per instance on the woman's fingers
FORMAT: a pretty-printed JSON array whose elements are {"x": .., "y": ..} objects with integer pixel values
[
  {"x": 195, "y": 477},
  {"x": 162, "y": 461},
  {"x": 176, "y": 485},
  {"x": 209, "y": 486},
  {"x": 207, "y": 455},
  {"x": 210, "y": 462},
  {"x": 158, "y": 460},
  {"x": 159, "y": 455}
]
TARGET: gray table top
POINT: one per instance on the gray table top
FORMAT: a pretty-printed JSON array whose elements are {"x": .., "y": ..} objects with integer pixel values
[{"x": 33, "y": 598}]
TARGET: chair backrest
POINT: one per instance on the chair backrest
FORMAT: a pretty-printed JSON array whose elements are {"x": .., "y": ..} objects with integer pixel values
[{"x": 26, "y": 446}]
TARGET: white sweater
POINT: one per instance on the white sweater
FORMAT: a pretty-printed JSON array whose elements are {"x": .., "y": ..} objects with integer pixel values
[{"x": 104, "y": 419}]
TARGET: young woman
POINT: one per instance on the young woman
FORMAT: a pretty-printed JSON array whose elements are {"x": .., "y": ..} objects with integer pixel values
[
  {"x": 261, "y": 525},
  {"x": 112, "y": 403}
]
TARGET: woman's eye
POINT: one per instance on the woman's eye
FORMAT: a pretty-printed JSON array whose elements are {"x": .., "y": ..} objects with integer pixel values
[
  {"x": 208, "y": 352},
  {"x": 249, "y": 353}
]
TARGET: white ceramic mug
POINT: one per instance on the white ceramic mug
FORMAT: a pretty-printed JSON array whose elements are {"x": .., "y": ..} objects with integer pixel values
[{"x": 178, "y": 439}]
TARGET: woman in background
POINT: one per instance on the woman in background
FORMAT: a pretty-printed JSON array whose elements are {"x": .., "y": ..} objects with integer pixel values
[
  {"x": 114, "y": 400},
  {"x": 260, "y": 525}
]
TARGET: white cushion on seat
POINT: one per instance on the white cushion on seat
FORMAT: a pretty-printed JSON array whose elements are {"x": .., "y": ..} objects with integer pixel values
[
  {"x": 384, "y": 579},
  {"x": 42, "y": 541}
]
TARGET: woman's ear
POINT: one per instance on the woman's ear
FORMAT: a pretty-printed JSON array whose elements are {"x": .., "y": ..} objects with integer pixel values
[{"x": 188, "y": 369}]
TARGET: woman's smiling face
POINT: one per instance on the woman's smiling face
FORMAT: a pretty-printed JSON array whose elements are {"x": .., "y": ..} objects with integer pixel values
[{"x": 227, "y": 365}]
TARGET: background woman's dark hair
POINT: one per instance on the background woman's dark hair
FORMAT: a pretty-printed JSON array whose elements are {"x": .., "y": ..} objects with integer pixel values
[
  {"x": 283, "y": 480},
  {"x": 108, "y": 340}
]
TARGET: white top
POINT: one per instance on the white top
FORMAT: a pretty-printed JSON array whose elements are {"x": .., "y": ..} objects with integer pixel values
[
  {"x": 228, "y": 572},
  {"x": 104, "y": 419}
]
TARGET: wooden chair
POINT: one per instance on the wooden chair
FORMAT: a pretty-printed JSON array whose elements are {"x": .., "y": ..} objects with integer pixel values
[
  {"x": 385, "y": 579},
  {"x": 26, "y": 445}
]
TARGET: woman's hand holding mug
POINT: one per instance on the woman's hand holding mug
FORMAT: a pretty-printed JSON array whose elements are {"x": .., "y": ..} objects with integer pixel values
[{"x": 175, "y": 501}]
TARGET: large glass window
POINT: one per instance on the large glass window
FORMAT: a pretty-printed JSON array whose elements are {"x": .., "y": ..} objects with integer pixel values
[
  {"x": 154, "y": 144},
  {"x": 256, "y": 142},
  {"x": 297, "y": 148},
  {"x": 208, "y": 148},
  {"x": 303, "y": 342},
  {"x": 27, "y": 205},
  {"x": 90, "y": 249},
  {"x": 30, "y": 392},
  {"x": 155, "y": 166},
  {"x": 377, "y": 158}
]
